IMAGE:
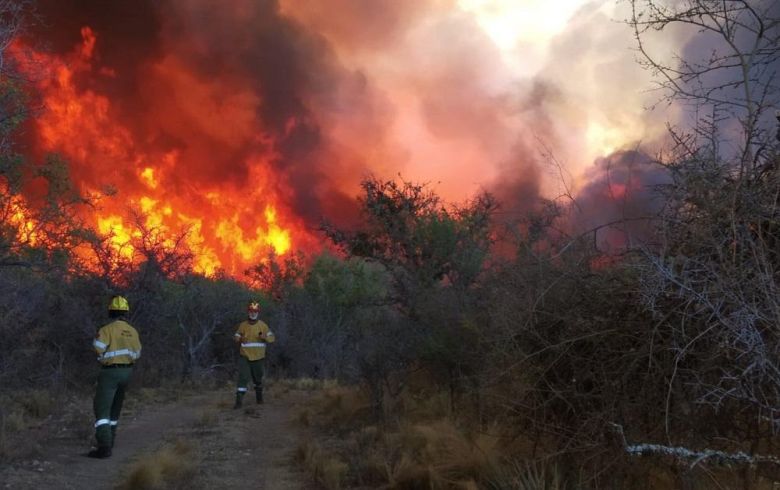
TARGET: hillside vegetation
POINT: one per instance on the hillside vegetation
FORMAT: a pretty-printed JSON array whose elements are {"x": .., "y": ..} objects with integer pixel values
[{"x": 464, "y": 349}]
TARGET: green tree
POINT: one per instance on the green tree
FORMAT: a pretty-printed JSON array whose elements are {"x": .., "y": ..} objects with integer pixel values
[{"x": 419, "y": 240}]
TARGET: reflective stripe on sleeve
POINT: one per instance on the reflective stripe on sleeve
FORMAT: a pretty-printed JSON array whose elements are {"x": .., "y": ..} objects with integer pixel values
[
  {"x": 102, "y": 422},
  {"x": 241, "y": 390},
  {"x": 254, "y": 344},
  {"x": 236, "y": 334},
  {"x": 99, "y": 345},
  {"x": 114, "y": 423}
]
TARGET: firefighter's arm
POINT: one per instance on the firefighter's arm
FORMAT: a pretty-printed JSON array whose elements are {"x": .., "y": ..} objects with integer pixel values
[
  {"x": 269, "y": 335},
  {"x": 101, "y": 341},
  {"x": 238, "y": 337}
]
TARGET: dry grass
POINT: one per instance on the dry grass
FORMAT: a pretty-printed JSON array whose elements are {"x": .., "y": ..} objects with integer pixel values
[
  {"x": 527, "y": 476},
  {"x": 435, "y": 455},
  {"x": 425, "y": 405},
  {"x": 37, "y": 403},
  {"x": 14, "y": 446},
  {"x": 171, "y": 467},
  {"x": 325, "y": 469},
  {"x": 425, "y": 448},
  {"x": 340, "y": 406},
  {"x": 21, "y": 411}
]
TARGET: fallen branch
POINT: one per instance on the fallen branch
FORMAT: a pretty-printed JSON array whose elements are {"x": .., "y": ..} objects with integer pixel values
[{"x": 684, "y": 454}]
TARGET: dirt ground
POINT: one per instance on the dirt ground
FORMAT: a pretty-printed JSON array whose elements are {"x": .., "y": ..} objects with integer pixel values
[{"x": 248, "y": 448}]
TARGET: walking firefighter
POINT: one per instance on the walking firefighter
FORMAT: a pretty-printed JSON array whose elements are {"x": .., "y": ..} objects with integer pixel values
[
  {"x": 253, "y": 335},
  {"x": 118, "y": 347}
]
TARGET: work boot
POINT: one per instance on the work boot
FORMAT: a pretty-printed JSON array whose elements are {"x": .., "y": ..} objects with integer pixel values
[
  {"x": 101, "y": 452},
  {"x": 259, "y": 395},
  {"x": 239, "y": 397}
]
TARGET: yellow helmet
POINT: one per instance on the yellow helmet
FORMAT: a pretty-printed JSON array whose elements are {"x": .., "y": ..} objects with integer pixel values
[{"x": 119, "y": 303}]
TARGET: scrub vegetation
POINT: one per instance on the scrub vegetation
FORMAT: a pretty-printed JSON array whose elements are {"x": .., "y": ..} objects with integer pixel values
[{"x": 444, "y": 345}]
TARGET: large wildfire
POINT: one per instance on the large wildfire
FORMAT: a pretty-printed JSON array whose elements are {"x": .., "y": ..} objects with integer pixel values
[
  {"x": 228, "y": 224},
  {"x": 233, "y": 128}
]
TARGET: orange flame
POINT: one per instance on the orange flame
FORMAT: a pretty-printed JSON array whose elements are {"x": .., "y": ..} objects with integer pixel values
[{"x": 226, "y": 226}]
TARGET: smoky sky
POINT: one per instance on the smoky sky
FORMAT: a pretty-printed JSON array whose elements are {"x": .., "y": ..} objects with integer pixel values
[{"x": 325, "y": 93}]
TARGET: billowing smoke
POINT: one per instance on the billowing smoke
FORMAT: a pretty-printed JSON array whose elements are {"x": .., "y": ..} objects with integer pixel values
[
  {"x": 620, "y": 201},
  {"x": 250, "y": 120},
  {"x": 222, "y": 85}
]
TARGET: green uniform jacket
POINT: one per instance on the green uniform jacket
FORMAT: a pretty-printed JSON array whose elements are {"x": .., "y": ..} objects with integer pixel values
[
  {"x": 253, "y": 337},
  {"x": 117, "y": 343}
]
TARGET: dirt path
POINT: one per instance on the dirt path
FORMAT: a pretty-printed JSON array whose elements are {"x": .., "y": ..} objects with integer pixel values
[
  {"x": 249, "y": 448},
  {"x": 254, "y": 448}
]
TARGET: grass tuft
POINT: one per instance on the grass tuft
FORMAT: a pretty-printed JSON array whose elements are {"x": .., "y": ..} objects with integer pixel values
[
  {"x": 325, "y": 469},
  {"x": 527, "y": 476},
  {"x": 171, "y": 467}
]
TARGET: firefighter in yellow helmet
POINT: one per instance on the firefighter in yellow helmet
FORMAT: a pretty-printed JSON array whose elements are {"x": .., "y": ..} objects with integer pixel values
[
  {"x": 118, "y": 347},
  {"x": 253, "y": 335}
]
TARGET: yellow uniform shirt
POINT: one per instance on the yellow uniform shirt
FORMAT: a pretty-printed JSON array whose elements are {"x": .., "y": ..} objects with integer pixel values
[
  {"x": 253, "y": 338},
  {"x": 117, "y": 343}
]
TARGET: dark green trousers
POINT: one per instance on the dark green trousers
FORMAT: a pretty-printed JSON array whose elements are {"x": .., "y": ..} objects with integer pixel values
[
  {"x": 247, "y": 369},
  {"x": 110, "y": 393}
]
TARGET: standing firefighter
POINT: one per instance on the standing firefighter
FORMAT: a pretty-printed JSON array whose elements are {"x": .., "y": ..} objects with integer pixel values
[
  {"x": 118, "y": 347},
  {"x": 253, "y": 335}
]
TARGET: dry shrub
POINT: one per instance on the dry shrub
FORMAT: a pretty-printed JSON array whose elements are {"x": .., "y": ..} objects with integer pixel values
[
  {"x": 456, "y": 456},
  {"x": 403, "y": 473},
  {"x": 423, "y": 450},
  {"x": 173, "y": 466},
  {"x": 21, "y": 409},
  {"x": 518, "y": 475},
  {"x": 37, "y": 403},
  {"x": 434, "y": 455},
  {"x": 324, "y": 468},
  {"x": 340, "y": 405},
  {"x": 13, "y": 445},
  {"x": 303, "y": 454}
]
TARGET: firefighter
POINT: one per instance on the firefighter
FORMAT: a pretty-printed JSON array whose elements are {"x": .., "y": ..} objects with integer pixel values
[
  {"x": 253, "y": 335},
  {"x": 118, "y": 347}
]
